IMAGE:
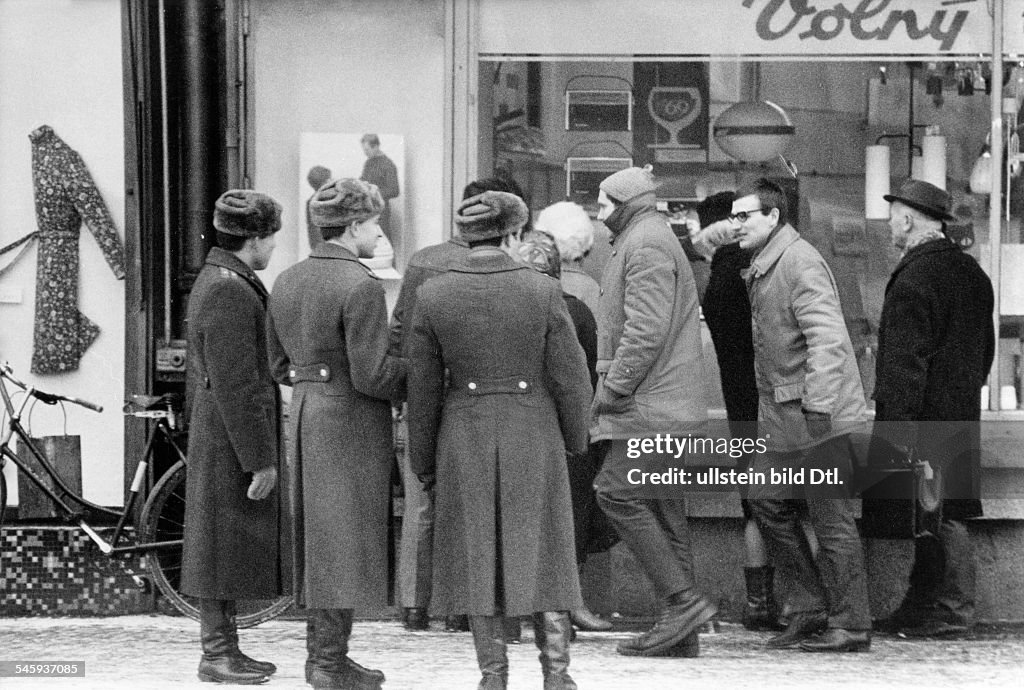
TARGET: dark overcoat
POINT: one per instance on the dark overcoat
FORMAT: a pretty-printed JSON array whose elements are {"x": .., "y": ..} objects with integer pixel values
[
  {"x": 232, "y": 543},
  {"x": 425, "y": 264},
  {"x": 936, "y": 341},
  {"x": 497, "y": 434},
  {"x": 327, "y": 335},
  {"x": 727, "y": 312}
]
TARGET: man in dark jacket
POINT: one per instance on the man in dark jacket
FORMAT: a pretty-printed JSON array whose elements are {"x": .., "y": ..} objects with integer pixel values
[
  {"x": 327, "y": 335},
  {"x": 651, "y": 381},
  {"x": 231, "y": 546},
  {"x": 416, "y": 555},
  {"x": 935, "y": 346},
  {"x": 495, "y": 436},
  {"x": 381, "y": 171}
]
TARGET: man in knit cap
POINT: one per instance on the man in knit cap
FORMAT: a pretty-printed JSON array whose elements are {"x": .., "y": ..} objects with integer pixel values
[
  {"x": 651, "y": 381},
  {"x": 231, "y": 546},
  {"x": 328, "y": 339},
  {"x": 493, "y": 434}
]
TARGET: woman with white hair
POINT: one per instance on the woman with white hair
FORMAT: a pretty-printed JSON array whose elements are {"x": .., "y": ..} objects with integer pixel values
[{"x": 573, "y": 231}]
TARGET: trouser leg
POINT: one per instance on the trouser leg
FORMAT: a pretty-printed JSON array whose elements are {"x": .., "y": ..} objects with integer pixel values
[
  {"x": 777, "y": 511},
  {"x": 641, "y": 524},
  {"x": 955, "y": 594},
  {"x": 840, "y": 553},
  {"x": 415, "y": 559}
]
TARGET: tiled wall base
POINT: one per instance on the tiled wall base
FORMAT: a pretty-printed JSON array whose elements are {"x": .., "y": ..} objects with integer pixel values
[{"x": 47, "y": 571}]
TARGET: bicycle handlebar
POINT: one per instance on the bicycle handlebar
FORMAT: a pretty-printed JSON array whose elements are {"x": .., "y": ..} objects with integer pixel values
[{"x": 43, "y": 397}]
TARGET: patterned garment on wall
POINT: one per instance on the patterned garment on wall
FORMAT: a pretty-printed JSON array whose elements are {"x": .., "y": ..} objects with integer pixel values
[{"x": 65, "y": 195}]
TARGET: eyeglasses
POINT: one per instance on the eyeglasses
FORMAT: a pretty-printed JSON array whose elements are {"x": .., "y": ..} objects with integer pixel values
[{"x": 742, "y": 216}]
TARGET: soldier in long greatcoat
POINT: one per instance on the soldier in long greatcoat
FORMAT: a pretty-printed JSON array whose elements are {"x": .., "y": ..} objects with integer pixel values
[
  {"x": 495, "y": 437},
  {"x": 231, "y": 542},
  {"x": 328, "y": 338}
]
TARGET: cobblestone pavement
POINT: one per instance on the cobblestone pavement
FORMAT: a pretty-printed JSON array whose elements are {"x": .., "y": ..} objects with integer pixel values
[{"x": 142, "y": 652}]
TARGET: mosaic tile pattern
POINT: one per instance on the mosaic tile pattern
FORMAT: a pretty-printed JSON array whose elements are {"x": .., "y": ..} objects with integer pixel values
[{"x": 47, "y": 571}]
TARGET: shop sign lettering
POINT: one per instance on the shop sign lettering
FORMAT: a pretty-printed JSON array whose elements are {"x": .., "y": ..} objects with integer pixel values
[{"x": 866, "y": 21}]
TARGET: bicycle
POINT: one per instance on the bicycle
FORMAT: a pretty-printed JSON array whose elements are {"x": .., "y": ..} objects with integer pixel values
[{"x": 160, "y": 525}]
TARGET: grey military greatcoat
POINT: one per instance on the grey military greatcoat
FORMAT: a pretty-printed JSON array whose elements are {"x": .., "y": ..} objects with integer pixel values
[
  {"x": 496, "y": 435},
  {"x": 327, "y": 334}
]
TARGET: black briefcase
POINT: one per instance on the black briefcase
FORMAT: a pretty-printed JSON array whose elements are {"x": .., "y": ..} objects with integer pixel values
[{"x": 900, "y": 495}]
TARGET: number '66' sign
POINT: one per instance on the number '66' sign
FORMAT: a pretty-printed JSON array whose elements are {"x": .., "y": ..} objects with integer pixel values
[{"x": 675, "y": 108}]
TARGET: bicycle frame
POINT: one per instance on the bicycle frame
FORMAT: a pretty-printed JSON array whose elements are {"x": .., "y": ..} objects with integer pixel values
[{"x": 110, "y": 548}]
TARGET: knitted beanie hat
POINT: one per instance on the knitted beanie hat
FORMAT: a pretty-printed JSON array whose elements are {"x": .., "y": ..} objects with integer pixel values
[
  {"x": 489, "y": 215},
  {"x": 245, "y": 213},
  {"x": 715, "y": 208},
  {"x": 341, "y": 202},
  {"x": 628, "y": 184}
]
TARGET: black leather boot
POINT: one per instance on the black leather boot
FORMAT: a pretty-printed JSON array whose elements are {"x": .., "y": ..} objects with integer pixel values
[
  {"x": 684, "y": 614},
  {"x": 491, "y": 653},
  {"x": 456, "y": 623},
  {"x": 551, "y": 633},
  {"x": 761, "y": 611},
  {"x": 220, "y": 662},
  {"x": 585, "y": 619},
  {"x": 329, "y": 665},
  {"x": 415, "y": 618},
  {"x": 264, "y": 667}
]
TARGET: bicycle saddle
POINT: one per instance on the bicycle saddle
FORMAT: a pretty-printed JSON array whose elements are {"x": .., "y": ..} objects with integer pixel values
[{"x": 138, "y": 401}]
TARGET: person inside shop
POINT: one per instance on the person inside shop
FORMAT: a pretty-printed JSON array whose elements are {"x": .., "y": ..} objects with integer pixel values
[
  {"x": 381, "y": 171},
  {"x": 316, "y": 177}
]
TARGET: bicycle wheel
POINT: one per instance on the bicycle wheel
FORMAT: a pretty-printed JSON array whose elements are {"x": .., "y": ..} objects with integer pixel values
[{"x": 163, "y": 519}]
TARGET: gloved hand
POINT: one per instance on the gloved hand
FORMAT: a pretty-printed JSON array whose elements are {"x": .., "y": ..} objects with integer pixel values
[
  {"x": 263, "y": 482},
  {"x": 606, "y": 400},
  {"x": 818, "y": 423}
]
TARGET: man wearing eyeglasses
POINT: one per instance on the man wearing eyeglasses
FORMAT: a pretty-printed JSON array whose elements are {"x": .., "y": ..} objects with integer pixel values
[{"x": 810, "y": 399}]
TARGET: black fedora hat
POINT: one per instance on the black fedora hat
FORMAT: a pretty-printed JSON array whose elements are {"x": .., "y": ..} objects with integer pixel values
[{"x": 925, "y": 197}]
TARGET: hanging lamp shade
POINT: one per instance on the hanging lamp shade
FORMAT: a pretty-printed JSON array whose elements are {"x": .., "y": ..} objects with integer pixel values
[{"x": 754, "y": 131}]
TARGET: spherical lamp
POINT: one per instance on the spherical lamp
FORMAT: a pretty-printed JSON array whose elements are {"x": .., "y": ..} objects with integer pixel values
[{"x": 753, "y": 132}]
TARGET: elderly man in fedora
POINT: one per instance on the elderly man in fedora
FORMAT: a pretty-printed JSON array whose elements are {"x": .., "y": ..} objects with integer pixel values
[
  {"x": 935, "y": 346},
  {"x": 327, "y": 334}
]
